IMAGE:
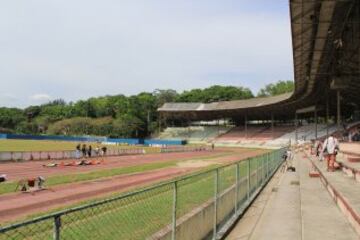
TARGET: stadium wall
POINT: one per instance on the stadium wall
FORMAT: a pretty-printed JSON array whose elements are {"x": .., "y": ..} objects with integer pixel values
[{"x": 128, "y": 141}]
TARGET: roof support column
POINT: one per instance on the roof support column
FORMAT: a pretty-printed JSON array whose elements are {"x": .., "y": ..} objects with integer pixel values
[
  {"x": 327, "y": 117},
  {"x": 296, "y": 128},
  {"x": 159, "y": 123},
  {"x": 218, "y": 128},
  {"x": 338, "y": 99},
  {"x": 316, "y": 123},
  {"x": 272, "y": 125},
  {"x": 246, "y": 127}
]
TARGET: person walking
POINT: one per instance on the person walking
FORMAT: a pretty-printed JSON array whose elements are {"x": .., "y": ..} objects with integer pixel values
[{"x": 330, "y": 149}]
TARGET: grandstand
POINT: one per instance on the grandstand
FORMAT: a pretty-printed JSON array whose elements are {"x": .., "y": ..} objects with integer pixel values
[
  {"x": 194, "y": 133},
  {"x": 326, "y": 68},
  {"x": 326, "y": 99}
]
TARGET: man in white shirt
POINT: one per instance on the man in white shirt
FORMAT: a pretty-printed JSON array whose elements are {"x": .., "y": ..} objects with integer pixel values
[{"x": 330, "y": 148}]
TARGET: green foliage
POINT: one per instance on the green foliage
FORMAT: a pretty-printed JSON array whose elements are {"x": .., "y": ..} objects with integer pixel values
[
  {"x": 119, "y": 115},
  {"x": 11, "y": 117},
  {"x": 278, "y": 88},
  {"x": 215, "y": 93}
]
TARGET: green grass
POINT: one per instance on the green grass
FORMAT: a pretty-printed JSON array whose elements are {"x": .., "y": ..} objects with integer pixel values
[
  {"x": 135, "y": 217},
  {"x": 10, "y": 145},
  {"x": 140, "y": 215}
]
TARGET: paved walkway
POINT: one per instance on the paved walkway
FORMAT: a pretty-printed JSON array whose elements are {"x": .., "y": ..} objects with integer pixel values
[{"x": 294, "y": 206}]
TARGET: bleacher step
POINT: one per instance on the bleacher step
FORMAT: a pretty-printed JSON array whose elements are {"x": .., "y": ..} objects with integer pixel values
[{"x": 344, "y": 191}]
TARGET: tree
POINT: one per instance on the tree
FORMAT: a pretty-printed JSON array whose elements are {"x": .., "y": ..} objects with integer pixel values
[
  {"x": 279, "y": 87},
  {"x": 214, "y": 94},
  {"x": 127, "y": 126},
  {"x": 164, "y": 96},
  {"x": 11, "y": 117}
]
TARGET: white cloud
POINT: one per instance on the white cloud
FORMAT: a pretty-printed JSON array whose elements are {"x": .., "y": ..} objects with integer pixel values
[{"x": 40, "y": 98}]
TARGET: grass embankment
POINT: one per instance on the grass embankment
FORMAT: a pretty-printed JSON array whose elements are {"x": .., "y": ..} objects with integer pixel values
[{"x": 140, "y": 215}]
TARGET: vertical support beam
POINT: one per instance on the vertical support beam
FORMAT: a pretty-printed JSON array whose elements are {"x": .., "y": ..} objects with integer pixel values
[
  {"x": 246, "y": 128},
  {"x": 216, "y": 202},
  {"x": 316, "y": 123},
  {"x": 338, "y": 98},
  {"x": 272, "y": 124},
  {"x": 218, "y": 127},
  {"x": 327, "y": 117},
  {"x": 296, "y": 128},
  {"x": 237, "y": 186},
  {"x": 57, "y": 226},
  {"x": 248, "y": 180},
  {"x": 173, "y": 232},
  {"x": 159, "y": 122}
]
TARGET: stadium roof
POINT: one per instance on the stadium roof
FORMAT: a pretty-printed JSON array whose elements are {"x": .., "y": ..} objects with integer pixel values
[{"x": 326, "y": 57}]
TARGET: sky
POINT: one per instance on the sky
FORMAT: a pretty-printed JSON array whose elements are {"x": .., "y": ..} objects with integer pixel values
[{"x": 84, "y": 48}]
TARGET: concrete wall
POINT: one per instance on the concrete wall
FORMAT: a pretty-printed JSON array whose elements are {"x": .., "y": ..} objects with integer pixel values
[{"x": 199, "y": 223}]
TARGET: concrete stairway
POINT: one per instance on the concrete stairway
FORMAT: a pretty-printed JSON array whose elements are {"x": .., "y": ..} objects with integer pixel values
[
  {"x": 295, "y": 207},
  {"x": 343, "y": 187}
]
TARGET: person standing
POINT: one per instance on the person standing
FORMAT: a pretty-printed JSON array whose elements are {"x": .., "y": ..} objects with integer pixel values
[
  {"x": 77, "y": 151},
  {"x": 89, "y": 151},
  {"x": 83, "y": 150},
  {"x": 330, "y": 149}
]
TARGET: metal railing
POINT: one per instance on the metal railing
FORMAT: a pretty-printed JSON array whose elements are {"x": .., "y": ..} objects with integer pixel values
[
  {"x": 195, "y": 206},
  {"x": 61, "y": 155}
]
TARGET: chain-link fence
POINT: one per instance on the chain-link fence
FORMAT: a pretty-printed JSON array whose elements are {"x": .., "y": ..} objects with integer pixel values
[
  {"x": 61, "y": 155},
  {"x": 192, "y": 207}
]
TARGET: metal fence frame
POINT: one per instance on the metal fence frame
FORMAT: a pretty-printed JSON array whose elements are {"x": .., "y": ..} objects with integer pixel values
[
  {"x": 259, "y": 171},
  {"x": 62, "y": 155}
]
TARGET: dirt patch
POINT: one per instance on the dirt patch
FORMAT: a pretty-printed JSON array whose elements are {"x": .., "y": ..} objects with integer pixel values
[{"x": 195, "y": 164}]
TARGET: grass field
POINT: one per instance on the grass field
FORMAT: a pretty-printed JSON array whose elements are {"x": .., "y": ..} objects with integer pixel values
[
  {"x": 9, "y": 145},
  {"x": 140, "y": 215}
]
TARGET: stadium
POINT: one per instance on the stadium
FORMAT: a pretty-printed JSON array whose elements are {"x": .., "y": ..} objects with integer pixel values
[{"x": 218, "y": 170}]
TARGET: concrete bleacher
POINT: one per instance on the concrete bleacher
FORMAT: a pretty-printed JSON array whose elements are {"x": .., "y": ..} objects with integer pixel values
[
  {"x": 256, "y": 133},
  {"x": 194, "y": 133},
  {"x": 255, "y": 136},
  {"x": 296, "y": 206},
  {"x": 343, "y": 187}
]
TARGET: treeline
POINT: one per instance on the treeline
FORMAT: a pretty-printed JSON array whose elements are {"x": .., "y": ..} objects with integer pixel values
[{"x": 114, "y": 116}]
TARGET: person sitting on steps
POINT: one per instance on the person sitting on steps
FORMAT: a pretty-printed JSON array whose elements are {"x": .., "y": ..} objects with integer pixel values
[{"x": 330, "y": 149}]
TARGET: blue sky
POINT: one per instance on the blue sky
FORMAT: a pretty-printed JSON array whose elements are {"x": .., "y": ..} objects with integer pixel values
[{"x": 83, "y": 48}]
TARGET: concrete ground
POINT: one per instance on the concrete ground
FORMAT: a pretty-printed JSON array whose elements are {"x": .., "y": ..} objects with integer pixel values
[{"x": 294, "y": 206}]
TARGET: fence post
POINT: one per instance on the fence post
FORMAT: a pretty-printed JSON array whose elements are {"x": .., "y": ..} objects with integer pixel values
[
  {"x": 248, "y": 181},
  {"x": 57, "y": 226},
  {"x": 263, "y": 164},
  {"x": 267, "y": 166},
  {"x": 216, "y": 202},
  {"x": 237, "y": 185},
  {"x": 173, "y": 233},
  {"x": 257, "y": 172}
]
